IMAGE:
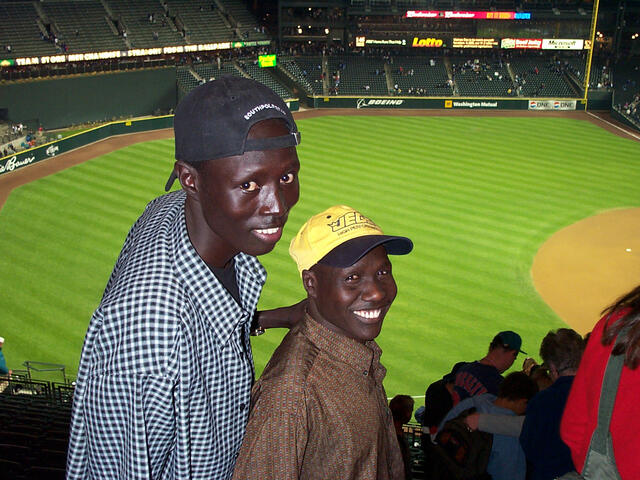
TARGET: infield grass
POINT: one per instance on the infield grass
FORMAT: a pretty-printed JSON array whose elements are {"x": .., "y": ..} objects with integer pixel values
[{"x": 478, "y": 196}]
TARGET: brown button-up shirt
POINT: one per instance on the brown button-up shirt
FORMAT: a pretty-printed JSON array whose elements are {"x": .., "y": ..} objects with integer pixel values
[{"x": 319, "y": 411}]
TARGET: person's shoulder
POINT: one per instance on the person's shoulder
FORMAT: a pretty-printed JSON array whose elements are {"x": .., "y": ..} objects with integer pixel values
[
  {"x": 557, "y": 392},
  {"x": 477, "y": 368},
  {"x": 290, "y": 369},
  {"x": 483, "y": 401}
]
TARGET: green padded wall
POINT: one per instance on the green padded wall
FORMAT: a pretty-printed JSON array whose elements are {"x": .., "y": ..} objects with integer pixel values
[{"x": 61, "y": 102}]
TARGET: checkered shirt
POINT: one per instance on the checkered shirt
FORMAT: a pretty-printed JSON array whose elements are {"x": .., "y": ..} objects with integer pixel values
[{"x": 165, "y": 376}]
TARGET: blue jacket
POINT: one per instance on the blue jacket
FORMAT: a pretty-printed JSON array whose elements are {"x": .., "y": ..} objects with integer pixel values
[
  {"x": 3, "y": 364},
  {"x": 540, "y": 438}
]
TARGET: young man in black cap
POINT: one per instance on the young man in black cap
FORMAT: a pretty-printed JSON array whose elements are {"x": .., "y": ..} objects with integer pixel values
[
  {"x": 166, "y": 370},
  {"x": 485, "y": 375},
  {"x": 319, "y": 409}
]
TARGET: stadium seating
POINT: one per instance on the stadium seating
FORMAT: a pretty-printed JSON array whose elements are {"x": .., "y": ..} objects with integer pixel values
[
  {"x": 356, "y": 72},
  {"x": 548, "y": 82},
  {"x": 307, "y": 70},
  {"x": 141, "y": 31},
  {"x": 21, "y": 32},
  {"x": 203, "y": 23},
  {"x": 239, "y": 68},
  {"x": 481, "y": 76},
  {"x": 208, "y": 70},
  {"x": 82, "y": 26},
  {"x": 627, "y": 83},
  {"x": 264, "y": 76},
  {"x": 34, "y": 431},
  {"x": 418, "y": 77},
  {"x": 185, "y": 79},
  {"x": 244, "y": 21}
]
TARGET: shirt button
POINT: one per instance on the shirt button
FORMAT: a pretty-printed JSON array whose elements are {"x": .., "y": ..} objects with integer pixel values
[{"x": 365, "y": 373}]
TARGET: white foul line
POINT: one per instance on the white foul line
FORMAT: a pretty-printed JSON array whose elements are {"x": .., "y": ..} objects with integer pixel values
[{"x": 614, "y": 126}]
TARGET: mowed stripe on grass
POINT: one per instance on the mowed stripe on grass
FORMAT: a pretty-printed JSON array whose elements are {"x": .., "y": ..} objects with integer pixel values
[{"x": 478, "y": 196}]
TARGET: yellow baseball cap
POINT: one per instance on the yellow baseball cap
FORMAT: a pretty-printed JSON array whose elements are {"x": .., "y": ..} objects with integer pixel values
[{"x": 339, "y": 237}]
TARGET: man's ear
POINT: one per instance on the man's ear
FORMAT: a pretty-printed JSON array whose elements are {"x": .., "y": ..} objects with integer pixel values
[
  {"x": 310, "y": 283},
  {"x": 188, "y": 176}
]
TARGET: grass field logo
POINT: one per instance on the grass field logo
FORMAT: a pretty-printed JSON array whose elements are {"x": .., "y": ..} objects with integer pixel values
[{"x": 378, "y": 102}]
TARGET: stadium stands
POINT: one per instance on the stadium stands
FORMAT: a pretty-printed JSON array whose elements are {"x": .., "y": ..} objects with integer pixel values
[
  {"x": 421, "y": 76},
  {"x": 34, "y": 429},
  {"x": 145, "y": 23},
  {"x": 210, "y": 71},
  {"x": 481, "y": 76},
  {"x": 21, "y": 33},
  {"x": 540, "y": 77},
  {"x": 356, "y": 73},
  {"x": 201, "y": 22},
  {"x": 82, "y": 26},
  {"x": 263, "y": 75},
  {"x": 307, "y": 71},
  {"x": 240, "y": 18},
  {"x": 291, "y": 68}
]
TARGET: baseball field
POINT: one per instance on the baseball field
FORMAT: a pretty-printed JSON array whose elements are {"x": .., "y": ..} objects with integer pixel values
[{"x": 479, "y": 196}]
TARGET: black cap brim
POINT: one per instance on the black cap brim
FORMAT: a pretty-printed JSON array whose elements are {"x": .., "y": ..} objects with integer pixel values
[{"x": 351, "y": 251}]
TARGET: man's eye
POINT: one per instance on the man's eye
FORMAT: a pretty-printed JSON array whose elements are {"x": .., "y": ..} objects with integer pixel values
[
  {"x": 288, "y": 178},
  {"x": 383, "y": 272},
  {"x": 249, "y": 186},
  {"x": 352, "y": 278}
]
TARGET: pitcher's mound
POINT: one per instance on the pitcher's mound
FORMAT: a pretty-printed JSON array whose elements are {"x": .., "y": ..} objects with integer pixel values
[{"x": 586, "y": 266}]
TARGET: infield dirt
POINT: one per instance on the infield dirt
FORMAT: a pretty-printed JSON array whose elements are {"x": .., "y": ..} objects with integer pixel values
[{"x": 578, "y": 271}]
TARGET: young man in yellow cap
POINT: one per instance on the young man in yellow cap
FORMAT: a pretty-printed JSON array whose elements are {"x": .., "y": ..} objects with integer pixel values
[{"x": 319, "y": 410}]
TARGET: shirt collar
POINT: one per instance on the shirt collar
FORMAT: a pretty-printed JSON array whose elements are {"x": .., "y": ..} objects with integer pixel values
[
  {"x": 206, "y": 291},
  {"x": 363, "y": 357}
]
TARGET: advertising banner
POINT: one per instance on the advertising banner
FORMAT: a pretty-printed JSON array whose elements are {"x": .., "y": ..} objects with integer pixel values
[
  {"x": 379, "y": 102},
  {"x": 474, "y": 15},
  {"x": 471, "y": 104},
  {"x": 562, "y": 44},
  {"x": 528, "y": 43},
  {"x": 474, "y": 42},
  {"x": 136, "y": 52},
  {"x": 52, "y": 149},
  {"x": 428, "y": 42},
  {"x": 552, "y": 104}
]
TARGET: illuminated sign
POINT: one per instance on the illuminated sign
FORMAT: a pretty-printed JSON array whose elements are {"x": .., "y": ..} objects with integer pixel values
[
  {"x": 468, "y": 15},
  {"x": 474, "y": 42},
  {"x": 7, "y": 63},
  {"x": 527, "y": 43},
  {"x": 387, "y": 41},
  {"x": 427, "y": 42},
  {"x": 544, "y": 43},
  {"x": 136, "y": 52},
  {"x": 562, "y": 44},
  {"x": 267, "y": 60},
  {"x": 363, "y": 41}
]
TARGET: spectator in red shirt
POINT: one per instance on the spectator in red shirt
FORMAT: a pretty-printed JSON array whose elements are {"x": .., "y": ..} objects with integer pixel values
[{"x": 581, "y": 412}]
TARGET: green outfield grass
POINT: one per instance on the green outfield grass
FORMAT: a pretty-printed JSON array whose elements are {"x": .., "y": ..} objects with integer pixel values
[{"x": 478, "y": 196}]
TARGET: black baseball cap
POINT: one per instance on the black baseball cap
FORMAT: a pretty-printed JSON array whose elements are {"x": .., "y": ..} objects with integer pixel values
[{"x": 213, "y": 120}]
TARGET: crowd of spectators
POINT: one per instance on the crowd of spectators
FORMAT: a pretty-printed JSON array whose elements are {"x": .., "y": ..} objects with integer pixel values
[
  {"x": 19, "y": 137},
  {"x": 632, "y": 108},
  {"x": 532, "y": 435}
]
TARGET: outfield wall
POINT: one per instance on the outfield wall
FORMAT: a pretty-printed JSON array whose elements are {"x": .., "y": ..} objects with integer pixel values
[
  {"x": 457, "y": 103},
  {"x": 52, "y": 149},
  {"x": 59, "y": 102}
]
